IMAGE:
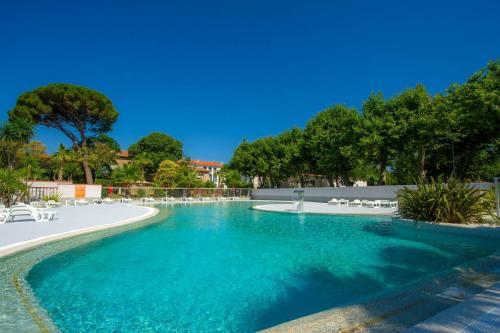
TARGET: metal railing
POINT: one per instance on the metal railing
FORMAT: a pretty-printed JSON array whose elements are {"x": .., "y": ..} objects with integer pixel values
[
  {"x": 176, "y": 193},
  {"x": 37, "y": 193}
]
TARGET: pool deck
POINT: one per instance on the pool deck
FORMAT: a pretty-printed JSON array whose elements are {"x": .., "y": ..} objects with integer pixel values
[
  {"x": 480, "y": 313},
  {"x": 71, "y": 221},
  {"x": 324, "y": 208}
]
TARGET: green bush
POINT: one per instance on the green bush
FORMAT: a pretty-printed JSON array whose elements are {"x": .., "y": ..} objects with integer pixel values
[
  {"x": 450, "y": 202},
  {"x": 54, "y": 196}
]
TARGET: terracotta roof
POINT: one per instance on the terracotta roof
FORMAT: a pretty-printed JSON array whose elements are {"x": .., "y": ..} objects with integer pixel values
[
  {"x": 123, "y": 153},
  {"x": 206, "y": 163}
]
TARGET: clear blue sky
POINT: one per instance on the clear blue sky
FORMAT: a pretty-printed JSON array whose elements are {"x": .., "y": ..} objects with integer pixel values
[{"x": 211, "y": 73}]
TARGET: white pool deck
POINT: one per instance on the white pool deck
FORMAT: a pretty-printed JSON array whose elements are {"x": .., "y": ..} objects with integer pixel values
[
  {"x": 71, "y": 220},
  {"x": 324, "y": 208}
]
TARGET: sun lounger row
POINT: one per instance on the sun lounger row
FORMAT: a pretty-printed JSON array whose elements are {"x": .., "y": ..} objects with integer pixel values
[
  {"x": 26, "y": 212},
  {"x": 363, "y": 203}
]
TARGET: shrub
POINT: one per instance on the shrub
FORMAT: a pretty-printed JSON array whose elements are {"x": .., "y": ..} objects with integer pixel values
[
  {"x": 12, "y": 186},
  {"x": 450, "y": 202},
  {"x": 54, "y": 196}
]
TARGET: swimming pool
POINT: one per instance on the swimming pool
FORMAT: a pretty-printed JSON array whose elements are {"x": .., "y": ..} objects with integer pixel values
[{"x": 225, "y": 267}]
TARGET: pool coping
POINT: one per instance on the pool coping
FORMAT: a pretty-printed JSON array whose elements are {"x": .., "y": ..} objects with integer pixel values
[
  {"x": 480, "y": 230},
  {"x": 373, "y": 211}
]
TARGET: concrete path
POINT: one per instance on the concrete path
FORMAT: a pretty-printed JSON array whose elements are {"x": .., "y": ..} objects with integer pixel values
[
  {"x": 479, "y": 314},
  {"x": 324, "y": 208},
  {"x": 70, "y": 219}
]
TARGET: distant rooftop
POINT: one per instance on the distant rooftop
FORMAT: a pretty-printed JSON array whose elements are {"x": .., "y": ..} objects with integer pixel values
[{"x": 207, "y": 163}]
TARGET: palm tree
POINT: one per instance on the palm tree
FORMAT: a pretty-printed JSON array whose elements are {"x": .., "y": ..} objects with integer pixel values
[
  {"x": 126, "y": 174},
  {"x": 100, "y": 155},
  {"x": 13, "y": 185},
  {"x": 143, "y": 161},
  {"x": 60, "y": 159},
  {"x": 13, "y": 134}
]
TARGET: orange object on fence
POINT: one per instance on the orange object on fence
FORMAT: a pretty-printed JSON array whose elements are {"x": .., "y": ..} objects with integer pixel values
[{"x": 79, "y": 191}]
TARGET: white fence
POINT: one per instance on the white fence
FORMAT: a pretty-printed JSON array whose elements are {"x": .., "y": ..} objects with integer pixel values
[{"x": 323, "y": 194}]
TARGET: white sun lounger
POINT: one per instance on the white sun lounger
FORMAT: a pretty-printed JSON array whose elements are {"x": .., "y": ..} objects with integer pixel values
[
  {"x": 333, "y": 201},
  {"x": 53, "y": 203},
  {"x": 148, "y": 200},
  {"x": 355, "y": 203},
  {"x": 28, "y": 212},
  {"x": 343, "y": 202}
]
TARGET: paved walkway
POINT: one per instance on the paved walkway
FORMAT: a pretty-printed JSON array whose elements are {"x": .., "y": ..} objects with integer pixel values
[
  {"x": 324, "y": 208},
  {"x": 70, "y": 219},
  {"x": 479, "y": 314}
]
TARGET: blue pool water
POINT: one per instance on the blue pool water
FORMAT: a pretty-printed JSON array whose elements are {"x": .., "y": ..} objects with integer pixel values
[{"x": 224, "y": 267}]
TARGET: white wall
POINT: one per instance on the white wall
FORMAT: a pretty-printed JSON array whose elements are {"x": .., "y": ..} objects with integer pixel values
[
  {"x": 66, "y": 191},
  {"x": 323, "y": 194},
  {"x": 93, "y": 191}
]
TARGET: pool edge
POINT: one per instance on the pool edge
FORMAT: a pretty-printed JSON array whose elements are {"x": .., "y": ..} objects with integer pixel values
[{"x": 35, "y": 318}]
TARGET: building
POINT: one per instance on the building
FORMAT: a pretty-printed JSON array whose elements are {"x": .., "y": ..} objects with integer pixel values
[
  {"x": 208, "y": 171},
  {"x": 122, "y": 158}
]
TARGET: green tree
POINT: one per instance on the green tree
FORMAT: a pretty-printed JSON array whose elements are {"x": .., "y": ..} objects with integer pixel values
[
  {"x": 379, "y": 133},
  {"x": 143, "y": 161},
  {"x": 101, "y": 156},
  {"x": 167, "y": 174},
  {"x": 418, "y": 131},
  {"x": 232, "y": 178},
  {"x": 76, "y": 111},
  {"x": 244, "y": 160},
  {"x": 106, "y": 139},
  {"x": 295, "y": 160},
  {"x": 187, "y": 176},
  {"x": 60, "y": 159},
  {"x": 331, "y": 138},
  {"x": 159, "y": 147},
  {"x": 33, "y": 158},
  {"x": 14, "y": 134},
  {"x": 472, "y": 111},
  {"x": 125, "y": 175}
]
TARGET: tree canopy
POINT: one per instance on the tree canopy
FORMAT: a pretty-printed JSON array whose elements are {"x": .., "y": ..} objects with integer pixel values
[
  {"x": 105, "y": 139},
  {"x": 158, "y": 147},
  {"x": 331, "y": 138},
  {"x": 392, "y": 141},
  {"x": 76, "y": 111}
]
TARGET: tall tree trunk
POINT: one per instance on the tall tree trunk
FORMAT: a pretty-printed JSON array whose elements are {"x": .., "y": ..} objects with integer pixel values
[
  {"x": 421, "y": 161},
  {"x": 382, "y": 172},
  {"x": 60, "y": 173},
  {"x": 87, "y": 171}
]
